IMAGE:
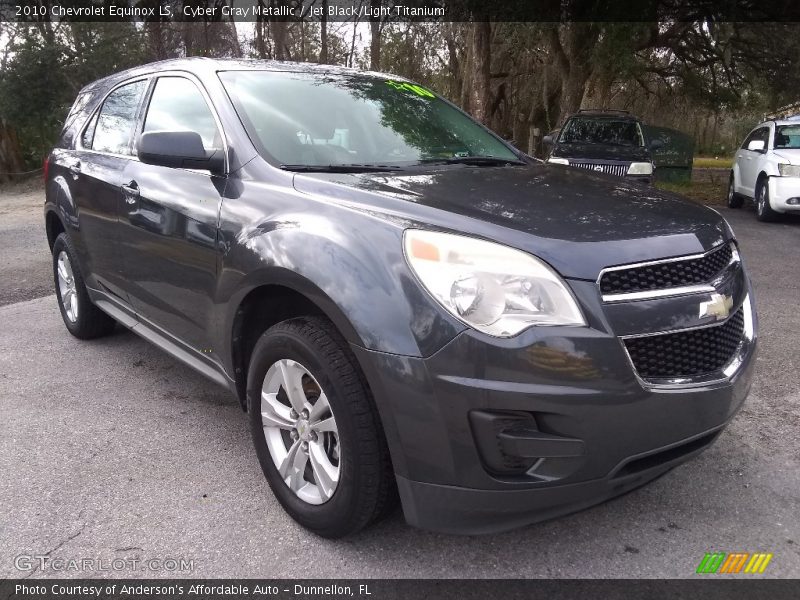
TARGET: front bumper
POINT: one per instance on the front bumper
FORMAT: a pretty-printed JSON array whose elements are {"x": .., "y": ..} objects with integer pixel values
[
  {"x": 784, "y": 194},
  {"x": 578, "y": 387},
  {"x": 453, "y": 509}
]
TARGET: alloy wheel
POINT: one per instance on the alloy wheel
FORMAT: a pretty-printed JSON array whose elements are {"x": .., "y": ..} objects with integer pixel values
[
  {"x": 67, "y": 287},
  {"x": 300, "y": 431}
]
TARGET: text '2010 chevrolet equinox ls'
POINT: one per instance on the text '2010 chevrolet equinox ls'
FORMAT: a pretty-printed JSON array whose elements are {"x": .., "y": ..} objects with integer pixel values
[{"x": 406, "y": 306}]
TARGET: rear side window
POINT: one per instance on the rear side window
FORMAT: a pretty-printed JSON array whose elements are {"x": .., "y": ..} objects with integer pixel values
[
  {"x": 79, "y": 107},
  {"x": 178, "y": 105},
  {"x": 113, "y": 129},
  {"x": 88, "y": 133}
]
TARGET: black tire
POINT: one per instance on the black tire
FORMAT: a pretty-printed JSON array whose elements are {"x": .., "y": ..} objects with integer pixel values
[
  {"x": 734, "y": 200},
  {"x": 764, "y": 211},
  {"x": 91, "y": 322},
  {"x": 366, "y": 488}
]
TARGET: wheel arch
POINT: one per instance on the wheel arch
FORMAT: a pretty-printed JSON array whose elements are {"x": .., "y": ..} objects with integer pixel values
[
  {"x": 268, "y": 299},
  {"x": 761, "y": 178},
  {"x": 54, "y": 226},
  {"x": 286, "y": 295}
]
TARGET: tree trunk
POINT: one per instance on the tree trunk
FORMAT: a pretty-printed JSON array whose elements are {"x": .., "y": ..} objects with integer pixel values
[
  {"x": 278, "y": 29},
  {"x": 375, "y": 36},
  {"x": 236, "y": 45},
  {"x": 481, "y": 55},
  {"x": 572, "y": 45},
  {"x": 323, "y": 32},
  {"x": 454, "y": 62},
  {"x": 572, "y": 89},
  {"x": 10, "y": 154},
  {"x": 261, "y": 47},
  {"x": 155, "y": 37},
  {"x": 352, "y": 54}
]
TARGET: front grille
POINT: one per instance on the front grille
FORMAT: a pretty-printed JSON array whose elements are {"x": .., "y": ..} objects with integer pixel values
[
  {"x": 686, "y": 353},
  {"x": 620, "y": 170},
  {"x": 667, "y": 275}
]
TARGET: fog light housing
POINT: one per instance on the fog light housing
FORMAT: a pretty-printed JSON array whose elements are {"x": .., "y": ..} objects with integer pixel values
[{"x": 793, "y": 202}]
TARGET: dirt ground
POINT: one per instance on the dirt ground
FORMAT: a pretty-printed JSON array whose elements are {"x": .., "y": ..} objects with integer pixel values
[{"x": 24, "y": 255}]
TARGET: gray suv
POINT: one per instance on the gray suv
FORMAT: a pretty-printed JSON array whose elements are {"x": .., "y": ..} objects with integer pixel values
[{"x": 407, "y": 307}]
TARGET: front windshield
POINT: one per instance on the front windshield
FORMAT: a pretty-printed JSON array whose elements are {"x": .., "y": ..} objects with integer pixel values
[
  {"x": 601, "y": 130},
  {"x": 330, "y": 119},
  {"x": 787, "y": 137}
]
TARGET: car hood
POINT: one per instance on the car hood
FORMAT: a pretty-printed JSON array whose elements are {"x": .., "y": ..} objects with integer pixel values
[
  {"x": 601, "y": 152},
  {"x": 792, "y": 156},
  {"x": 577, "y": 221}
]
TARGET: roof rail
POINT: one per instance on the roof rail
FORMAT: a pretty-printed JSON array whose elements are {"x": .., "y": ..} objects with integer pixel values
[
  {"x": 608, "y": 110},
  {"x": 784, "y": 112}
]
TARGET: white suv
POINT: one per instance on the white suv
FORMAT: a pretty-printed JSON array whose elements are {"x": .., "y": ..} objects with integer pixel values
[{"x": 767, "y": 169}]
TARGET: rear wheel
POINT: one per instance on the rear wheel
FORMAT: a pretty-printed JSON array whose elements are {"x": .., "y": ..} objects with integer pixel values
[
  {"x": 82, "y": 318},
  {"x": 315, "y": 429},
  {"x": 764, "y": 211},
  {"x": 734, "y": 199}
]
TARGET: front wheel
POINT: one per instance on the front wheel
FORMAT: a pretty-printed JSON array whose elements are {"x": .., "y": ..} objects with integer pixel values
[
  {"x": 764, "y": 210},
  {"x": 734, "y": 200},
  {"x": 315, "y": 428}
]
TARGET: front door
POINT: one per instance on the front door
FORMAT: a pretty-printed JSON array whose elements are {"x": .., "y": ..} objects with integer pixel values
[
  {"x": 748, "y": 160},
  {"x": 169, "y": 222}
]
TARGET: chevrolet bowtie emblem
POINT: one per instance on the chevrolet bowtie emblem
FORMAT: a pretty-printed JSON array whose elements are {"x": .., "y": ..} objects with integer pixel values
[{"x": 718, "y": 307}]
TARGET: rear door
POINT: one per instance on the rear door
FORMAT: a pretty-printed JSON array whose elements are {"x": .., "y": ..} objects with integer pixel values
[
  {"x": 169, "y": 221},
  {"x": 104, "y": 149}
]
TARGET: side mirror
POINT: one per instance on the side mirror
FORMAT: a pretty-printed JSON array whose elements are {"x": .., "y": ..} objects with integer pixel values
[
  {"x": 179, "y": 150},
  {"x": 548, "y": 140},
  {"x": 656, "y": 144},
  {"x": 756, "y": 146}
]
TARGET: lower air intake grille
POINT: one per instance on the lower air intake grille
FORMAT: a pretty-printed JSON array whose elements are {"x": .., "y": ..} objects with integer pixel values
[{"x": 687, "y": 353}]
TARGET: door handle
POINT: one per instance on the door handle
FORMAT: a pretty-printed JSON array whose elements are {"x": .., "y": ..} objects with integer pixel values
[
  {"x": 131, "y": 191},
  {"x": 75, "y": 169}
]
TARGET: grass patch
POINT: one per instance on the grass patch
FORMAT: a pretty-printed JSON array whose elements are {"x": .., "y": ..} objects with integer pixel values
[
  {"x": 708, "y": 162},
  {"x": 703, "y": 192}
]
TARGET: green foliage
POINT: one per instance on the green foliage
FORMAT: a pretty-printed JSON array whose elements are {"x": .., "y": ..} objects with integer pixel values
[
  {"x": 29, "y": 101},
  {"x": 47, "y": 67},
  {"x": 702, "y": 77}
]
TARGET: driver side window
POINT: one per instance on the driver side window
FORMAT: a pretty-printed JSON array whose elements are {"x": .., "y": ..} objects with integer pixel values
[
  {"x": 760, "y": 134},
  {"x": 177, "y": 105}
]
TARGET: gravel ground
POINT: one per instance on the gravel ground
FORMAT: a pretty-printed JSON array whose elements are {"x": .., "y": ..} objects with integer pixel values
[
  {"x": 24, "y": 257},
  {"x": 112, "y": 449}
]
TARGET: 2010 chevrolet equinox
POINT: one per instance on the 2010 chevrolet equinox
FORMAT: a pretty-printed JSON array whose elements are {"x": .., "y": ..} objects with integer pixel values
[{"x": 405, "y": 305}]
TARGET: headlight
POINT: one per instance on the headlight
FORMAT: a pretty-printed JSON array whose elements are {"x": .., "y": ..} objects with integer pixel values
[
  {"x": 554, "y": 160},
  {"x": 787, "y": 170},
  {"x": 640, "y": 168},
  {"x": 490, "y": 287}
]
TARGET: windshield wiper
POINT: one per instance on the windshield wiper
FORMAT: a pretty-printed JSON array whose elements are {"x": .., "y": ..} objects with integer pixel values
[
  {"x": 479, "y": 161},
  {"x": 354, "y": 168}
]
